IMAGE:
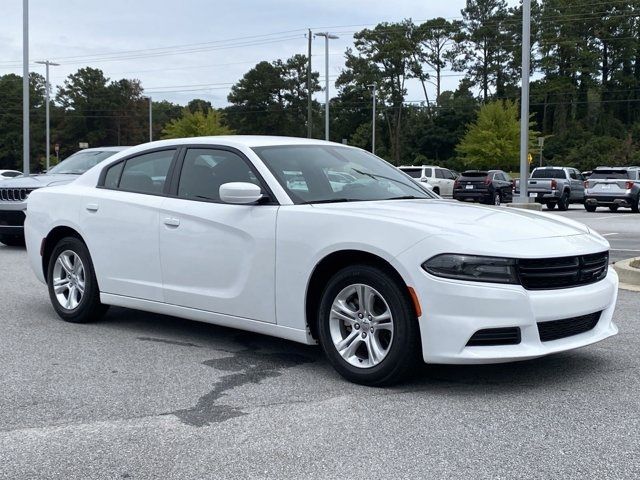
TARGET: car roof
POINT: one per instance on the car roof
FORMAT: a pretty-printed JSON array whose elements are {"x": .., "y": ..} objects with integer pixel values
[
  {"x": 419, "y": 166},
  {"x": 244, "y": 140},
  {"x": 103, "y": 149}
]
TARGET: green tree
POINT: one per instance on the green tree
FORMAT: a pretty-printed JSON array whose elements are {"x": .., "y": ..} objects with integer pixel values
[
  {"x": 271, "y": 99},
  {"x": 11, "y": 120},
  {"x": 493, "y": 140},
  {"x": 196, "y": 124}
]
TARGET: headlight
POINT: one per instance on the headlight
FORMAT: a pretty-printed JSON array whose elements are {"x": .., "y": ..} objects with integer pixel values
[{"x": 473, "y": 268}]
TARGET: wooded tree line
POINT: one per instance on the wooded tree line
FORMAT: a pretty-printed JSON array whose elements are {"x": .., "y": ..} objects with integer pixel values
[{"x": 585, "y": 92}]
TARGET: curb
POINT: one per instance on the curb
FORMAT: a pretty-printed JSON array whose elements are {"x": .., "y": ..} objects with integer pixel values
[
  {"x": 628, "y": 275},
  {"x": 526, "y": 206}
]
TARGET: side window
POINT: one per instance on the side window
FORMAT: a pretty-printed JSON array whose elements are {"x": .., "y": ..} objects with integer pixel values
[
  {"x": 448, "y": 174},
  {"x": 439, "y": 173},
  {"x": 113, "y": 175},
  {"x": 146, "y": 173},
  {"x": 498, "y": 176},
  {"x": 572, "y": 174},
  {"x": 428, "y": 172},
  {"x": 205, "y": 170}
]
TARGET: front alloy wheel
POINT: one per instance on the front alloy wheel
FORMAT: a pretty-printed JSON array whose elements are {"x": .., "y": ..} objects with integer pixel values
[
  {"x": 361, "y": 326},
  {"x": 367, "y": 325}
]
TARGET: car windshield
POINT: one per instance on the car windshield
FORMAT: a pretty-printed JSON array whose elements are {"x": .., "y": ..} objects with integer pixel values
[
  {"x": 548, "y": 173},
  {"x": 611, "y": 174},
  {"x": 323, "y": 174},
  {"x": 80, "y": 162}
]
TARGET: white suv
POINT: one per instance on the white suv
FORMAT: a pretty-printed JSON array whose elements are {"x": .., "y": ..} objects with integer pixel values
[{"x": 441, "y": 179}]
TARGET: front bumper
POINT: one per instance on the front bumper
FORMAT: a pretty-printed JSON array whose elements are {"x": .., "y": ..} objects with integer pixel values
[
  {"x": 453, "y": 311},
  {"x": 12, "y": 216}
]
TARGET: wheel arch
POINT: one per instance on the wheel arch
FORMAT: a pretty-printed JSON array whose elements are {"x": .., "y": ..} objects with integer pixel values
[
  {"x": 52, "y": 239},
  {"x": 333, "y": 262}
]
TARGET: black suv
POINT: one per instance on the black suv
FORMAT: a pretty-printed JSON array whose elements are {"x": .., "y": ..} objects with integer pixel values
[{"x": 492, "y": 187}]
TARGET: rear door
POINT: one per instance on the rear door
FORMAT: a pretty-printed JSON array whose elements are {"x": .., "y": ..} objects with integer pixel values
[
  {"x": 120, "y": 220},
  {"x": 217, "y": 257}
]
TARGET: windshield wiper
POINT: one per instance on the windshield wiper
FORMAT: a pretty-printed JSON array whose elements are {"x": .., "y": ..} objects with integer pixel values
[
  {"x": 407, "y": 197},
  {"x": 332, "y": 200}
]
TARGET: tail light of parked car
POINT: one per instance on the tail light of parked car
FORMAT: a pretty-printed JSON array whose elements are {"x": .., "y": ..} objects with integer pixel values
[
  {"x": 456, "y": 184},
  {"x": 629, "y": 185},
  {"x": 586, "y": 184},
  {"x": 487, "y": 181},
  {"x": 554, "y": 184}
]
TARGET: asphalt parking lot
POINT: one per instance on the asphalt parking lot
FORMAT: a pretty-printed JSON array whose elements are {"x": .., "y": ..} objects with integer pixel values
[{"x": 139, "y": 395}]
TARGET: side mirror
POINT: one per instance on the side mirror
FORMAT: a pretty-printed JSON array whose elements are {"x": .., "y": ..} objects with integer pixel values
[{"x": 240, "y": 193}]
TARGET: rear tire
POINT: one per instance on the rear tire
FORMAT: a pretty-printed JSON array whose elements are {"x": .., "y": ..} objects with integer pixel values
[
  {"x": 436, "y": 190},
  {"x": 613, "y": 208},
  {"x": 563, "y": 202},
  {"x": 73, "y": 288},
  {"x": 635, "y": 208},
  {"x": 590, "y": 208},
  {"x": 12, "y": 240},
  {"x": 551, "y": 206},
  {"x": 359, "y": 342}
]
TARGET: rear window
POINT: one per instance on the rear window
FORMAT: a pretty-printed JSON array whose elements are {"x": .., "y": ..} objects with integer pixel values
[
  {"x": 612, "y": 174},
  {"x": 474, "y": 174},
  {"x": 548, "y": 173},
  {"x": 413, "y": 172}
]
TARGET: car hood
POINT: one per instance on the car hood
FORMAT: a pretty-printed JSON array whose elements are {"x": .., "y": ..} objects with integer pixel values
[
  {"x": 437, "y": 217},
  {"x": 38, "y": 181}
]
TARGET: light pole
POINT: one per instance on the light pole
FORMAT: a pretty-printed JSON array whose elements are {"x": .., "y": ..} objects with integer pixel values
[
  {"x": 373, "y": 120},
  {"x": 47, "y": 63},
  {"x": 150, "y": 117},
  {"x": 327, "y": 36},
  {"x": 524, "y": 101},
  {"x": 25, "y": 87}
]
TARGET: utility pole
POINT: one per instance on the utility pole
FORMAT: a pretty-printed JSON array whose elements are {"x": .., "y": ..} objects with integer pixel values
[
  {"x": 150, "y": 119},
  {"x": 541, "y": 145},
  {"x": 25, "y": 87},
  {"x": 327, "y": 36},
  {"x": 373, "y": 120},
  {"x": 309, "y": 92},
  {"x": 524, "y": 101},
  {"x": 47, "y": 63}
]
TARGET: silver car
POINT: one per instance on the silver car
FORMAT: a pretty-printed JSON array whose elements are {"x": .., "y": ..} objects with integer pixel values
[{"x": 15, "y": 191}]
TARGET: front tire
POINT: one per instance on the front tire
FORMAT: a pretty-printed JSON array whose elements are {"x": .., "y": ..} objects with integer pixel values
[
  {"x": 563, "y": 202},
  {"x": 73, "y": 288},
  {"x": 497, "y": 199},
  {"x": 368, "y": 327}
]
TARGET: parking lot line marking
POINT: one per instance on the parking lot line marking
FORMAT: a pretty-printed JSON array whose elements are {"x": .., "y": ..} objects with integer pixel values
[
  {"x": 604, "y": 218},
  {"x": 609, "y": 234},
  {"x": 623, "y": 250}
]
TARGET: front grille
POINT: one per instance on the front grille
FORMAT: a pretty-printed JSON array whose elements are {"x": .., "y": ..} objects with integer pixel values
[
  {"x": 10, "y": 218},
  {"x": 563, "y": 272},
  {"x": 495, "y": 336},
  {"x": 567, "y": 327},
  {"x": 14, "y": 194}
]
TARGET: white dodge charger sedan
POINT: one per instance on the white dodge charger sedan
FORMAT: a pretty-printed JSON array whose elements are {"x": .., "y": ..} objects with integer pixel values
[{"x": 313, "y": 241}]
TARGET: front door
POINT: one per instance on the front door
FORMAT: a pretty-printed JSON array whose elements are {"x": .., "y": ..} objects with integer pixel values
[{"x": 218, "y": 257}]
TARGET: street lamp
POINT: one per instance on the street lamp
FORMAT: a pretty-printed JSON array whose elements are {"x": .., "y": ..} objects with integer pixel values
[
  {"x": 373, "y": 120},
  {"x": 47, "y": 63},
  {"x": 327, "y": 36},
  {"x": 524, "y": 101}
]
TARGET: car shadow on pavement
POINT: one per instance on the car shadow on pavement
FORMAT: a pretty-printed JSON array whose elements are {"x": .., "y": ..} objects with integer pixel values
[{"x": 555, "y": 371}]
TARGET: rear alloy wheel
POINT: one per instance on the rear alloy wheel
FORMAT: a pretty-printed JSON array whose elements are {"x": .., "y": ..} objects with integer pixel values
[
  {"x": 368, "y": 327},
  {"x": 12, "y": 240},
  {"x": 73, "y": 287},
  {"x": 614, "y": 208},
  {"x": 590, "y": 208},
  {"x": 563, "y": 202},
  {"x": 496, "y": 199}
]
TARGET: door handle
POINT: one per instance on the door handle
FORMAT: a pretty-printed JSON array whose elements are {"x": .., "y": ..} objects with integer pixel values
[
  {"x": 92, "y": 207},
  {"x": 171, "y": 222}
]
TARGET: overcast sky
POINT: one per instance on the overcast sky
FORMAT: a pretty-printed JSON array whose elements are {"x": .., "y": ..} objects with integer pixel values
[{"x": 219, "y": 40}]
